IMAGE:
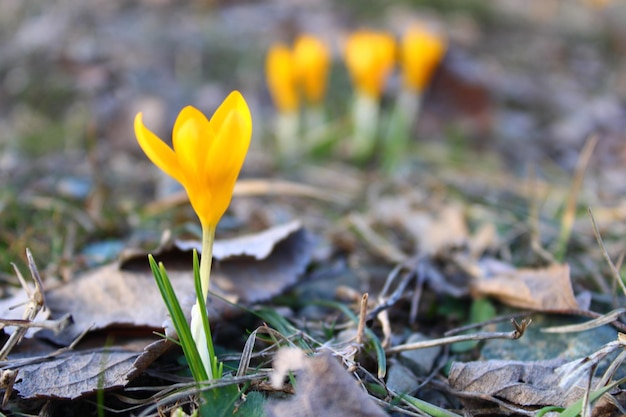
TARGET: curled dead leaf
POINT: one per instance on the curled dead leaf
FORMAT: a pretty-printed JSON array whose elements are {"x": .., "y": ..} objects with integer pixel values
[
  {"x": 324, "y": 388},
  {"x": 541, "y": 289},
  {"x": 124, "y": 294}
]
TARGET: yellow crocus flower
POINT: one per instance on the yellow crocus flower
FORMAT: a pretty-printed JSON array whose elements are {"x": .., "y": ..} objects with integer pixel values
[
  {"x": 207, "y": 155},
  {"x": 281, "y": 78},
  {"x": 312, "y": 59},
  {"x": 421, "y": 52},
  {"x": 370, "y": 58}
]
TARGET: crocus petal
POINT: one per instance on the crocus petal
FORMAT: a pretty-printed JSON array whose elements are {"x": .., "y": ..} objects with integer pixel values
[
  {"x": 227, "y": 156},
  {"x": 207, "y": 155},
  {"x": 191, "y": 138},
  {"x": 157, "y": 151},
  {"x": 281, "y": 76},
  {"x": 370, "y": 58},
  {"x": 229, "y": 149},
  {"x": 422, "y": 51},
  {"x": 234, "y": 102},
  {"x": 312, "y": 60}
]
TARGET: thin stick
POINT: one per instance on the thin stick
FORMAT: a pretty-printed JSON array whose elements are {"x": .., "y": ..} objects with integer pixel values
[
  {"x": 362, "y": 316},
  {"x": 520, "y": 328},
  {"x": 54, "y": 325}
]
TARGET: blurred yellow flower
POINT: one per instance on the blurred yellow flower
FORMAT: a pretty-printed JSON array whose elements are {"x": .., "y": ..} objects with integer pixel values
[
  {"x": 280, "y": 71},
  {"x": 421, "y": 52},
  {"x": 312, "y": 59},
  {"x": 207, "y": 155},
  {"x": 370, "y": 58}
]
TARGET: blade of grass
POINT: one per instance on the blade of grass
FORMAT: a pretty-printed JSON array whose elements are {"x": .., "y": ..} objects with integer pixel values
[
  {"x": 215, "y": 365},
  {"x": 428, "y": 408},
  {"x": 576, "y": 408},
  {"x": 178, "y": 319}
]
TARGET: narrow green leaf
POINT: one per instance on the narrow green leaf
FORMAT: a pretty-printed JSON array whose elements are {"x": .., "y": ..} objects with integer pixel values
[
  {"x": 220, "y": 402},
  {"x": 428, "y": 408},
  {"x": 576, "y": 408},
  {"x": 178, "y": 319},
  {"x": 215, "y": 365}
]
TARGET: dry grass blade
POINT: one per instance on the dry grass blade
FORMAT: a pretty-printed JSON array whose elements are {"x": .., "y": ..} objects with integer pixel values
[
  {"x": 605, "y": 254},
  {"x": 35, "y": 304},
  {"x": 591, "y": 324},
  {"x": 610, "y": 371},
  {"x": 520, "y": 328},
  {"x": 247, "y": 352},
  {"x": 569, "y": 215},
  {"x": 379, "y": 244},
  {"x": 573, "y": 371}
]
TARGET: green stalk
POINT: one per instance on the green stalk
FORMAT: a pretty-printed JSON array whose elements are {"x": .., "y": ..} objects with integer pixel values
[
  {"x": 178, "y": 319},
  {"x": 215, "y": 368},
  {"x": 397, "y": 144},
  {"x": 365, "y": 114},
  {"x": 286, "y": 129},
  {"x": 208, "y": 236},
  {"x": 198, "y": 311}
]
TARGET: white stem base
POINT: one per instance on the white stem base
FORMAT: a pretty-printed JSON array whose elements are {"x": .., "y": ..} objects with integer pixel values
[
  {"x": 197, "y": 332},
  {"x": 365, "y": 114}
]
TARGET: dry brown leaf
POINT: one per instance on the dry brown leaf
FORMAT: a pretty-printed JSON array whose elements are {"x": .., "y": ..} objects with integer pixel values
[
  {"x": 541, "y": 289},
  {"x": 77, "y": 373},
  {"x": 324, "y": 388},
  {"x": 258, "y": 245},
  {"x": 259, "y": 266},
  {"x": 125, "y": 294},
  {"x": 519, "y": 383},
  {"x": 433, "y": 229}
]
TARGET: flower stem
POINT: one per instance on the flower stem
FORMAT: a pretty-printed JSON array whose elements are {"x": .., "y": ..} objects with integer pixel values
[
  {"x": 197, "y": 328},
  {"x": 208, "y": 236},
  {"x": 365, "y": 114},
  {"x": 398, "y": 142},
  {"x": 286, "y": 128}
]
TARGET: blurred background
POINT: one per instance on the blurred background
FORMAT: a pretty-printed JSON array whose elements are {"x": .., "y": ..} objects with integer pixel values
[{"x": 526, "y": 82}]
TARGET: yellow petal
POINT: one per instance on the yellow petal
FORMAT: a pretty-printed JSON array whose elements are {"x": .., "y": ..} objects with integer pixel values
[
  {"x": 281, "y": 78},
  {"x": 191, "y": 138},
  {"x": 422, "y": 51},
  {"x": 207, "y": 155},
  {"x": 157, "y": 151},
  {"x": 234, "y": 102},
  {"x": 227, "y": 156},
  {"x": 312, "y": 59},
  {"x": 370, "y": 59}
]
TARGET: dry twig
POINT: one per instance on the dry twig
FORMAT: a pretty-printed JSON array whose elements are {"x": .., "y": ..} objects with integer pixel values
[{"x": 519, "y": 329}]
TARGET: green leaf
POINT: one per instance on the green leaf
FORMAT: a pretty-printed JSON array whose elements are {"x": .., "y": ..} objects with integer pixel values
[
  {"x": 178, "y": 319},
  {"x": 428, "y": 408},
  {"x": 576, "y": 408},
  {"x": 225, "y": 402},
  {"x": 254, "y": 406},
  {"x": 216, "y": 367},
  {"x": 481, "y": 310}
]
